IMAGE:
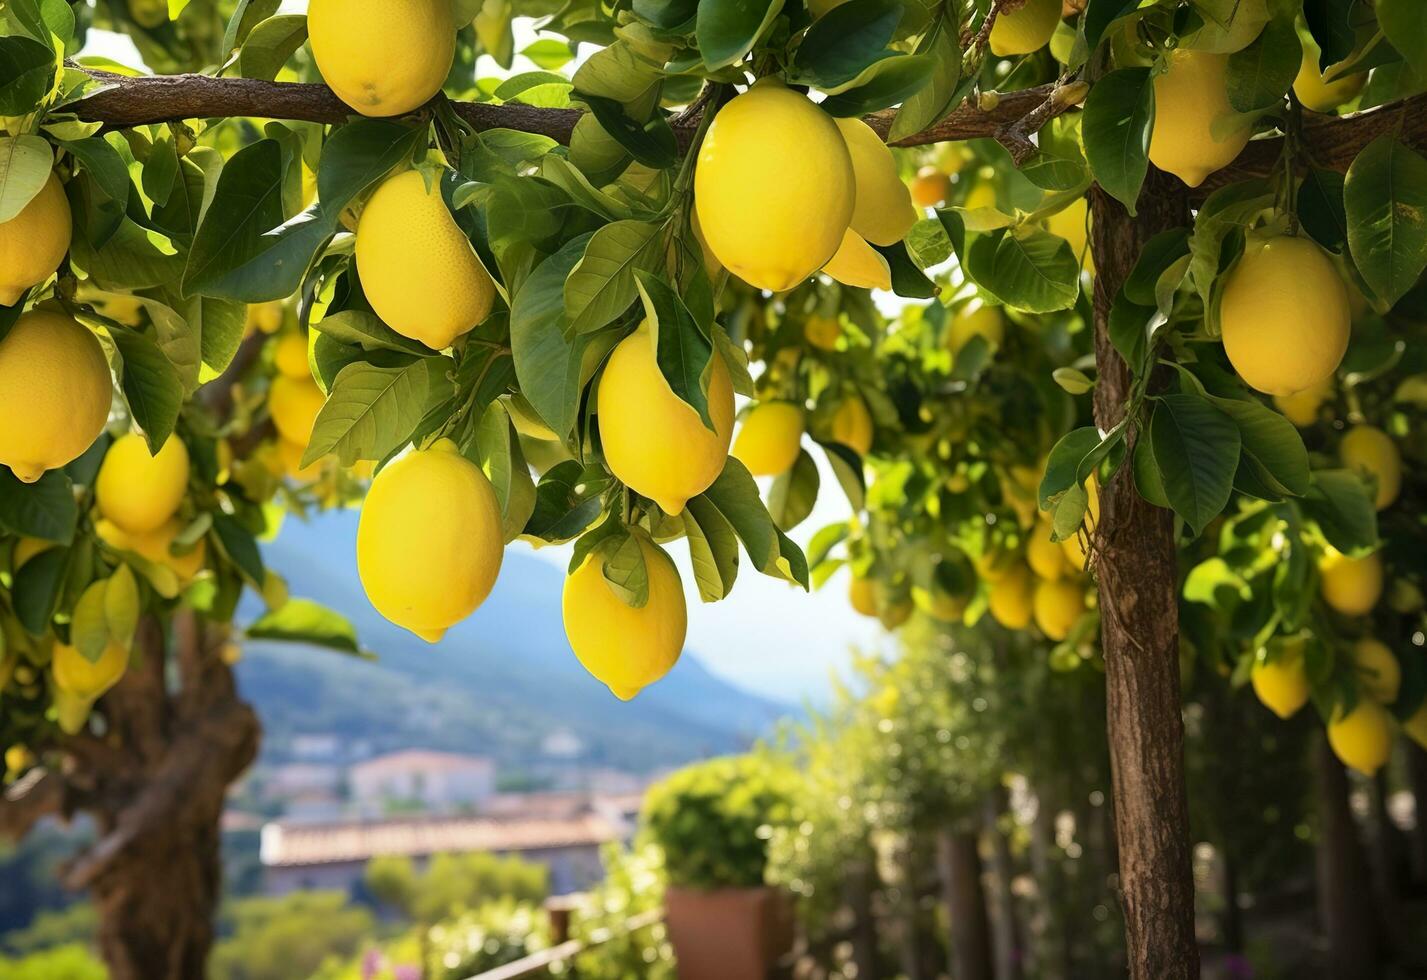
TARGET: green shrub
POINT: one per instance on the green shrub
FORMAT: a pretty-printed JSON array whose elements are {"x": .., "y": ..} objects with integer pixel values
[
  {"x": 69, "y": 962},
  {"x": 633, "y": 884}
]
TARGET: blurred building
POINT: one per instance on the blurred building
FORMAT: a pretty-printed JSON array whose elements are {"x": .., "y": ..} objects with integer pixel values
[{"x": 421, "y": 780}]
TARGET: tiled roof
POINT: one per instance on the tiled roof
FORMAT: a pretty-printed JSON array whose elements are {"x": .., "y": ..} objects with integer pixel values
[{"x": 300, "y": 844}]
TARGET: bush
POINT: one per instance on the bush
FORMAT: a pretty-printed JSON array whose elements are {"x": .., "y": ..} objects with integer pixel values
[
  {"x": 70, "y": 962},
  {"x": 291, "y": 936},
  {"x": 714, "y": 820},
  {"x": 633, "y": 883}
]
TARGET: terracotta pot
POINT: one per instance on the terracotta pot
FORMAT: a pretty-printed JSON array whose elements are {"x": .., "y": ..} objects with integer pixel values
[{"x": 729, "y": 933}]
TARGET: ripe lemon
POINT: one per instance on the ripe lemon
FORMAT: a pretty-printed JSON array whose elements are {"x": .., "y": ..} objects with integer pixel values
[
  {"x": 1314, "y": 91},
  {"x": 1282, "y": 683},
  {"x": 73, "y": 672},
  {"x": 1196, "y": 131},
  {"x": 1302, "y": 407},
  {"x": 55, "y": 392},
  {"x": 1011, "y": 598},
  {"x": 137, "y": 491},
  {"x": 939, "y": 604},
  {"x": 852, "y": 425},
  {"x": 294, "y": 404},
  {"x": 1285, "y": 315},
  {"x": 382, "y": 57},
  {"x": 1025, "y": 29},
  {"x": 862, "y": 593},
  {"x": 770, "y": 439},
  {"x": 1378, "y": 671},
  {"x": 625, "y": 648},
  {"x": 1416, "y": 726},
  {"x": 1046, "y": 557},
  {"x": 429, "y": 541},
  {"x": 822, "y": 332},
  {"x": 156, "y": 547},
  {"x": 1069, "y": 223},
  {"x": 895, "y": 613},
  {"x": 983, "y": 195},
  {"x": 1352, "y": 586},
  {"x": 882, "y": 211},
  {"x": 290, "y": 356},
  {"x": 858, "y": 264},
  {"x": 264, "y": 318},
  {"x": 930, "y": 188},
  {"x": 1372, "y": 450},
  {"x": 34, "y": 241},
  {"x": 1362, "y": 738},
  {"x": 418, "y": 269},
  {"x": 977, "y": 319},
  {"x": 1057, "y": 606},
  {"x": 774, "y": 187},
  {"x": 653, "y": 440}
]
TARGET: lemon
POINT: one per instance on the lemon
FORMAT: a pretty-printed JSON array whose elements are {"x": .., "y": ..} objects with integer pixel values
[
  {"x": 418, "y": 269},
  {"x": 939, "y": 604},
  {"x": 156, "y": 547},
  {"x": 852, "y": 425},
  {"x": 822, "y": 332},
  {"x": 429, "y": 541},
  {"x": 774, "y": 187},
  {"x": 290, "y": 455},
  {"x": 653, "y": 440},
  {"x": 1378, "y": 670},
  {"x": 294, "y": 404},
  {"x": 1352, "y": 586},
  {"x": 1196, "y": 131},
  {"x": 977, "y": 319},
  {"x": 127, "y": 310},
  {"x": 882, "y": 211},
  {"x": 264, "y": 317},
  {"x": 1024, "y": 29},
  {"x": 1302, "y": 407},
  {"x": 1362, "y": 738},
  {"x": 857, "y": 264},
  {"x": 1282, "y": 683},
  {"x": 382, "y": 57},
  {"x": 137, "y": 491},
  {"x": 1011, "y": 598},
  {"x": 1416, "y": 726},
  {"x": 862, "y": 593},
  {"x": 624, "y": 647},
  {"x": 33, "y": 243},
  {"x": 1069, "y": 223},
  {"x": 1372, "y": 451},
  {"x": 770, "y": 439},
  {"x": 290, "y": 356},
  {"x": 993, "y": 564},
  {"x": 149, "y": 13},
  {"x": 930, "y": 188},
  {"x": 75, "y": 674},
  {"x": 1284, "y": 315},
  {"x": 55, "y": 392},
  {"x": 895, "y": 613},
  {"x": 1314, "y": 91},
  {"x": 1046, "y": 557},
  {"x": 1057, "y": 606},
  {"x": 983, "y": 195}
]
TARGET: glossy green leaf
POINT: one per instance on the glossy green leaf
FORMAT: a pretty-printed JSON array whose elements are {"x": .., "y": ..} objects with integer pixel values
[
  {"x": 306, "y": 622},
  {"x": 1118, "y": 117},
  {"x": 1196, "y": 449},
  {"x": 1385, "y": 195},
  {"x": 371, "y": 411}
]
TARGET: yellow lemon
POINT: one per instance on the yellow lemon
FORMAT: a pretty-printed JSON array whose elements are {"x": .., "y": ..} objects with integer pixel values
[
  {"x": 882, "y": 211},
  {"x": 429, "y": 541},
  {"x": 653, "y": 440},
  {"x": 264, "y": 317},
  {"x": 1302, "y": 407},
  {"x": 895, "y": 613},
  {"x": 382, "y": 57},
  {"x": 1352, "y": 586},
  {"x": 1196, "y": 131},
  {"x": 983, "y": 195},
  {"x": 852, "y": 425},
  {"x": 773, "y": 186},
  {"x": 1416, "y": 725},
  {"x": 930, "y": 188},
  {"x": 1024, "y": 29},
  {"x": 1057, "y": 606},
  {"x": 625, "y": 648},
  {"x": 1362, "y": 738},
  {"x": 822, "y": 332},
  {"x": 1282, "y": 683},
  {"x": 1284, "y": 315},
  {"x": 977, "y": 319},
  {"x": 290, "y": 455},
  {"x": 858, "y": 264},
  {"x": 862, "y": 593},
  {"x": 939, "y": 604},
  {"x": 294, "y": 404},
  {"x": 1046, "y": 557},
  {"x": 156, "y": 547},
  {"x": 290, "y": 356},
  {"x": 418, "y": 269},
  {"x": 993, "y": 564},
  {"x": 149, "y": 13},
  {"x": 1372, "y": 451},
  {"x": 1011, "y": 598},
  {"x": 1070, "y": 224},
  {"x": 75, "y": 674},
  {"x": 34, "y": 241},
  {"x": 137, "y": 491},
  {"x": 770, "y": 439},
  {"x": 1314, "y": 91},
  {"x": 55, "y": 392},
  {"x": 1379, "y": 673}
]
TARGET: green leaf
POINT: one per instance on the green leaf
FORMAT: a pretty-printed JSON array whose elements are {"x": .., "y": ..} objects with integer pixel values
[
  {"x": 734, "y": 495},
  {"x": 241, "y": 548},
  {"x": 549, "y": 365},
  {"x": 651, "y": 142},
  {"x": 27, "y": 71},
  {"x": 1405, "y": 24},
  {"x": 1196, "y": 448},
  {"x": 1229, "y": 209},
  {"x": 1321, "y": 208},
  {"x": 360, "y": 328},
  {"x": 601, "y": 286},
  {"x": 1118, "y": 117},
  {"x": 43, "y": 509},
  {"x": 359, "y": 154},
  {"x": 793, "y": 493},
  {"x": 713, "y": 549},
  {"x": 935, "y": 100},
  {"x": 567, "y": 500},
  {"x": 1272, "y": 447},
  {"x": 1330, "y": 23},
  {"x": 726, "y": 31},
  {"x": 304, "y": 621},
  {"x": 1157, "y": 255},
  {"x": 624, "y": 569},
  {"x": 122, "y": 605},
  {"x": 845, "y": 41},
  {"x": 111, "y": 174},
  {"x": 270, "y": 45},
  {"x": 89, "y": 626},
  {"x": 908, "y": 280},
  {"x": 25, "y": 165},
  {"x": 1026, "y": 268},
  {"x": 247, "y": 15},
  {"x": 1261, "y": 74},
  {"x": 1386, "y": 199},
  {"x": 847, "y": 467},
  {"x": 37, "y": 588},
  {"x": 681, "y": 349},
  {"x": 548, "y": 53},
  {"x": 498, "y": 453},
  {"x": 371, "y": 411},
  {"x": 1100, "y": 14},
  {"x": 1344, "y": 509},
  {"x": 151, "y": 385},
  {"x": 1063, "y": 468},
  {"x": 886, "y": 82}
]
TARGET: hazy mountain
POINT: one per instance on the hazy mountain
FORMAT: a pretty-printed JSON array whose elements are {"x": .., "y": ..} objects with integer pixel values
[{"x": 498, "y": 684}]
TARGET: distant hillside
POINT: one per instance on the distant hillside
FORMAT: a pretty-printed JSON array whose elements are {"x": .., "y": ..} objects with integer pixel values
[{"x": 496, "y": 685}]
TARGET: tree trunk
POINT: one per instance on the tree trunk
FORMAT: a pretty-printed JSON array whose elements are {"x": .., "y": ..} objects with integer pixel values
[
  {"x": 1233, "y": 917},
  {"x": 1051, "y": 957},
  {"x": 960, "y": 862},
  {"x": 857, "y": 893},
  {"x": 1345, "y": 898},
  {"x": 1005, "y": 931},
  {"x": 1138, "y": 582},
  {"x": 1417, "y": 840}
]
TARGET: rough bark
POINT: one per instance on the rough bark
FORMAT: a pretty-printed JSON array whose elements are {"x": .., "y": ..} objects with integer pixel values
[
  {"x": 960, "y": 864},
  {"x": 1005, "y": 923},
  {"x": 1345, "y": 896},
  {"x": 1138, "y": 584}
]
